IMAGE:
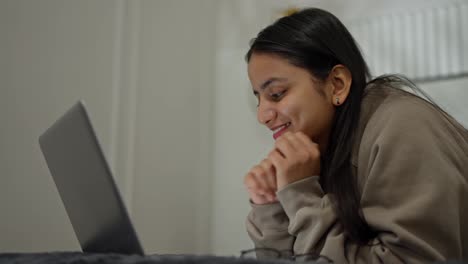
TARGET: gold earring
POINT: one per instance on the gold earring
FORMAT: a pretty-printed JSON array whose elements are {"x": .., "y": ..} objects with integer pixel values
[{"x": 337, "y": 101}]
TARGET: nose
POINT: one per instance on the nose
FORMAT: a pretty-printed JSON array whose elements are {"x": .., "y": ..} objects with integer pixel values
[{"x": 265, "y": 113}]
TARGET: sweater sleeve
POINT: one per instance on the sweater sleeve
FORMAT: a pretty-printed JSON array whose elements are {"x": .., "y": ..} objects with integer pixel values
[
  {"x": 413, "y": 197},
  {"x": 267, "y": 226}
]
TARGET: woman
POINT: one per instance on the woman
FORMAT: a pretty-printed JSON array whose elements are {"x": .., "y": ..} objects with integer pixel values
[{"x": 361, "y": 171}]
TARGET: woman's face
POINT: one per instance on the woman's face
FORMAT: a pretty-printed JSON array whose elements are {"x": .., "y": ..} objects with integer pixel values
[{"x": 290, "y": 98}]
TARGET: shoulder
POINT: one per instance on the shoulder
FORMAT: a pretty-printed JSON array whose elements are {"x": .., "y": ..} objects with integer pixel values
[
  {"x": 394, "y": 114},
  {"x": 401, "y": 129},
  {"x": 398, "y": 110}
]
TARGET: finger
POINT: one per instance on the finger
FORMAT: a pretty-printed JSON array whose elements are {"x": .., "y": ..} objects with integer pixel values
[
  {"x": 250, "y": 182},
  {"x": 295, "y": 141},
  {"x": 257, "y": 198},
  {"x": 271, "y": 174},
  {"x": 284, "y": 146},
  {"x": 277, "y": 159},
  {"x": 268, "y": 191},
  {"x": 261, "y": 199},
  {"x": 260, "y": 176},
  {"x": 304, "y": 139},
  {"x": 267, "y": 166},
  {"x": 256, "y": 180},
  {"x": 302, "y": 151},
  {"x": 312, "y": 147},
  {"x": 259, "y": 194}
]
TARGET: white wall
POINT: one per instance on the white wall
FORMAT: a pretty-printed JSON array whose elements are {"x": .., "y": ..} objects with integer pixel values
[
  {"x": 144, "y": 68},
  {"x": 52, "y": 53},
  {"x": 172, "y": 157}
]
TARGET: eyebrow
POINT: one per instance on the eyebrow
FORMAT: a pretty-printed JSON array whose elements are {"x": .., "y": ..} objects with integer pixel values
[{"x": 270, "y": 81}]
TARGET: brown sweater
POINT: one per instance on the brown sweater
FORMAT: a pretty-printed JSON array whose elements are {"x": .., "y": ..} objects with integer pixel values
[{"x": 412, "y": 167}]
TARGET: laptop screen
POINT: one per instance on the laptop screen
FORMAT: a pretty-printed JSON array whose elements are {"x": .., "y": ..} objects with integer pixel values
[{"x": 86, "y": 185}]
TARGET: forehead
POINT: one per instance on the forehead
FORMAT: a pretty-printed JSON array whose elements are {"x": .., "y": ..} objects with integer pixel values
[
  {"x": 263, "y": 66},
  {"x": 261, "y": 63}
]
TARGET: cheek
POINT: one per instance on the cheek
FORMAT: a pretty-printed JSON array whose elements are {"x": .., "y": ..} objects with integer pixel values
[
  {"x": 288, "y": 109},
  {"x": 311, "y": 117},
  {"x": 294, "y": 113}
]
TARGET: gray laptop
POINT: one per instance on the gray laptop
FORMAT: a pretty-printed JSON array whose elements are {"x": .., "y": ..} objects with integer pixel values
[{"x": 86, "y": 185}]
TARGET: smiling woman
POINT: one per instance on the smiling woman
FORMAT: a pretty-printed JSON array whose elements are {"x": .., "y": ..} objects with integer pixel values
[
  {"x": 286, "y": 87},
  {"x": 361, "y": 171}
]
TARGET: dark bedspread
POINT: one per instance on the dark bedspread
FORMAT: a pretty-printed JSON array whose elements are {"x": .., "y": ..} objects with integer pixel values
[{"x": 88, "y": 258}]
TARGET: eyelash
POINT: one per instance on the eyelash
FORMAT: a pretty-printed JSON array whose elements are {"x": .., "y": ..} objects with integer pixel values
[
  {"x": 274, "y": 96},
  {"x": 277, "y": 96}
]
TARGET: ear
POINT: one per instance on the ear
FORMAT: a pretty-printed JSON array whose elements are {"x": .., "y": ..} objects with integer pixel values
[{"x": 340, "y": 80}]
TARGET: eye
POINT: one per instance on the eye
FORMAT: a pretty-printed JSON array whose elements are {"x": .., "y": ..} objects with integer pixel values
[
  {"x": 277, "y": 96},
  {"x": 257, "y": 99}
]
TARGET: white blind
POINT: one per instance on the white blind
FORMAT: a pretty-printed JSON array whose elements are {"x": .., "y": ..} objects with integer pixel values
[{"x": 425, "y": 45}]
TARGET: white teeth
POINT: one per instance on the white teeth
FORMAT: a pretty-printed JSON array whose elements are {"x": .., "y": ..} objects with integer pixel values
[
  {"x": 278, "y": 129},
  {"x": 281, "y": 127}
]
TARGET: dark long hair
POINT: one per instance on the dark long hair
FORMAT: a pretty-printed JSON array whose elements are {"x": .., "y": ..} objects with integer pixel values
[{"x": 316, "y": 40}]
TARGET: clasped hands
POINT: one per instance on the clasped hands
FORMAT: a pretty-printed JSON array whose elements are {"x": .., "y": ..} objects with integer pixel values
[{"x": 293, "y": 158}]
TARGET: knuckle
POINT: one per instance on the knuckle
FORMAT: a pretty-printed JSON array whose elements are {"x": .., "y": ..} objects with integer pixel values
[
  {"x": 259, "y": 171},
  {"x": 256, "y": 185},
  {"x": 315, "y": 153},
  {"x": 280, "y": 140},
  {"x": 265, "y": 163},
  {"x": 253, "y": 185},
  {"x": 248, "y": 180},
  {"x": 256, "y": 170},
  {"x": 272, "y": 156},
  {"x": 303, "y": 156}
]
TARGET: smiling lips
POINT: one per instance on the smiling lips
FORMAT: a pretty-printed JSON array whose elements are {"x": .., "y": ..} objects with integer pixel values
[{"x": 278, "y": 131}]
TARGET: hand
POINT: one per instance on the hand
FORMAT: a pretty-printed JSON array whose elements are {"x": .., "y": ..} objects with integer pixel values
[
  {"x": 294, "y": 158},
  {"x": 260, "y": 182}
]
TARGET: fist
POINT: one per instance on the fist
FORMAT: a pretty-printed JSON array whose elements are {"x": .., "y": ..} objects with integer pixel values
[
  {"x": 260, "y": 183},
  {"x": 295, "y": 157}
]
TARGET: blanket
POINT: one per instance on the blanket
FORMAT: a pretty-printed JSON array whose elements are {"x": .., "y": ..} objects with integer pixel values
[{"x": 95, "y": 258}]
